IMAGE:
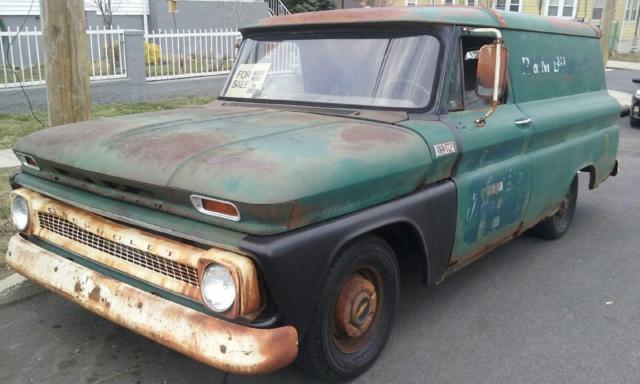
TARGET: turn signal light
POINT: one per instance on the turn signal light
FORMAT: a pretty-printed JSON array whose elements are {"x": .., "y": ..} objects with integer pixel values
[{"x": 215, "y": 207}]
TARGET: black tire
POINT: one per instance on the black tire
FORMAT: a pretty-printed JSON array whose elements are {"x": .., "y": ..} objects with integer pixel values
[
  {"x": 326, "y": 350},
  {"x": 634, "y": 122},
  {"x": 556, "y": 226}
]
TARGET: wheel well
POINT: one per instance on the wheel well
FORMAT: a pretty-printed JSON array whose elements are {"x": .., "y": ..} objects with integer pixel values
[
  {"x": 592, "y": 175},
  {"x": 407, "y": 244}
]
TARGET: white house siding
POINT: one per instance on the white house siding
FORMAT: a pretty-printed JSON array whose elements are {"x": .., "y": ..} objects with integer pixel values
[{"x": 120, "y": 7}]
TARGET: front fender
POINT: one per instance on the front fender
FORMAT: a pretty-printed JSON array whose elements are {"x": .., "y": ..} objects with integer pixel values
[{"x": 294, "y": 264}]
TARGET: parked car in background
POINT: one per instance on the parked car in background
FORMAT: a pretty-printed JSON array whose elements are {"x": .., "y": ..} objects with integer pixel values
[
  {"x": 269, "y": 225},
  {"x": 634, "y": 115}
]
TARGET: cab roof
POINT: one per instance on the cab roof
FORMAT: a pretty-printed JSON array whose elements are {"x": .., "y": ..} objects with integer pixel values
[{"x": 447, "y": 14}]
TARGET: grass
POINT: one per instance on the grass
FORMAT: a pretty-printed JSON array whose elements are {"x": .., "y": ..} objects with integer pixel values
[
  {"x": 6, "y": 228},
  {"x": 14, "y": 126},
  {"x": 631, "y": 56}
]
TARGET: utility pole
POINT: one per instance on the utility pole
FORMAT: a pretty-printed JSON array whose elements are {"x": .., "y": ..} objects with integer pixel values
[
  {"x": 608, "y": 15},
  {"x": 66, "y": 61}
]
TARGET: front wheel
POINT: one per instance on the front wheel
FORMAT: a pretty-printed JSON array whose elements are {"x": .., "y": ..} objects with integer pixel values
[
  {"x": 556, "y": 226},
  {"x": 353, "y": 318}
]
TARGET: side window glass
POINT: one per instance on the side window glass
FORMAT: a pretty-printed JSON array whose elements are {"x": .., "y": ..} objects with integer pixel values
[
  {"x": 471, "y": 99},
  {"x": 455, "y": 102}
]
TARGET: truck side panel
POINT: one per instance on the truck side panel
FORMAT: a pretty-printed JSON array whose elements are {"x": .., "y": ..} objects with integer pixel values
[{"x": 558, "y": 81}]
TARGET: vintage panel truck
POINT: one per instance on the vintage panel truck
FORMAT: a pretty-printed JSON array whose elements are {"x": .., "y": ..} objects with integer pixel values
[{"x": 268, "y": 225}]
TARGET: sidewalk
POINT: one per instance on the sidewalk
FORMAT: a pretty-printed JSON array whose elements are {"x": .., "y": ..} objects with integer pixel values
[
  {"x": 8, "y": 159},
  {"x": 614, "y": 64}
]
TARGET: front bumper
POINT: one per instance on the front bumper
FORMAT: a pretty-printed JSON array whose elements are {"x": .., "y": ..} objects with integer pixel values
[{"x": 223, "y": 345}]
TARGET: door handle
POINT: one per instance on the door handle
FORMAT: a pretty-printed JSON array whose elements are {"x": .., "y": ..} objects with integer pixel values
[{"x": 523, "y": 122}]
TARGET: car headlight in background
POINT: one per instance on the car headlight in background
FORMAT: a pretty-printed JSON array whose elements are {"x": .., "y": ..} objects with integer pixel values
[
  {"x": 218, "y": 288},
  {"x": 638, "y": 94},
  {"x": 20, "y": 213}
]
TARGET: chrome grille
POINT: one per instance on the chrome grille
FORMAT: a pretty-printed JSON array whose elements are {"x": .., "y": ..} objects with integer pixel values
[{"x": 170, "y": 268}]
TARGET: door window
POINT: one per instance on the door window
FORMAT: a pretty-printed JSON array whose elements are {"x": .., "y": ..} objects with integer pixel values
[{"x": 462, "y": 87}]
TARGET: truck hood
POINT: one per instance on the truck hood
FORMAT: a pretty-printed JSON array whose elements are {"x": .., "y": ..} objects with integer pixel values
[{"x": 282, "y": 169}]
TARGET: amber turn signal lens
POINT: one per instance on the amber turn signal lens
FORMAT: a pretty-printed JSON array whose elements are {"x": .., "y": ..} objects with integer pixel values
[
  {"x": 214, "y": 207},
  {"x": 219, "y": 207}
]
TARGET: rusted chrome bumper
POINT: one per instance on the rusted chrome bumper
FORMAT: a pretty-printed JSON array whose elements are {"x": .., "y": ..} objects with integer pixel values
[{"x": 227, "y": 346}]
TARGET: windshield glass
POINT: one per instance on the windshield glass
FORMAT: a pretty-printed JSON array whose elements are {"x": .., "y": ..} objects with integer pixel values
[{"x": 385, "y": 71}]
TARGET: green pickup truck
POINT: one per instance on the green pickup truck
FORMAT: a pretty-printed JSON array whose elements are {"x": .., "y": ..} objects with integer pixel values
[{"x": 268, "y": 226}]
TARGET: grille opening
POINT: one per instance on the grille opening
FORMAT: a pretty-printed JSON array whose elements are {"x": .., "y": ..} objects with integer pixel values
[
  {"x": 167, "y": 267},
  {"x": 74, "y": 176},
  {"x": 128, "y": 188}
]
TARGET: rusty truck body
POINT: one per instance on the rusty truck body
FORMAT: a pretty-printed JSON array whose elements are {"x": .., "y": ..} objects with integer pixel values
[{"x": 268, "y": 225}]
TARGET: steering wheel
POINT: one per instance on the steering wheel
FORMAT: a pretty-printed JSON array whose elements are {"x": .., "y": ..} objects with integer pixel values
[{"x": 412, "y": 84}]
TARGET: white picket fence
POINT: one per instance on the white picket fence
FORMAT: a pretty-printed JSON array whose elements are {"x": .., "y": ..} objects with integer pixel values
[
  {"x": 167, "y": 54},
  {"x": 107, "y": 53},
  {"x": 22, "y": 59},
  {"x": 190, "y": 53}
]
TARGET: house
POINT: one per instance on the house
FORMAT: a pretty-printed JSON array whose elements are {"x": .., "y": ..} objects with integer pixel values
[
  {"x": 626, "y": 36},
  {"x": 150, "y": 15}
]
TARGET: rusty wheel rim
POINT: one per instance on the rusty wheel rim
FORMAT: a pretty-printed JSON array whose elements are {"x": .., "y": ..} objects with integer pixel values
[{"x": 357, "y": 310}]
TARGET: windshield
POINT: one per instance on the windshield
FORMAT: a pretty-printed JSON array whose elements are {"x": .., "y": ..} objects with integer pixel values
[{"x": 395, "y": 72}]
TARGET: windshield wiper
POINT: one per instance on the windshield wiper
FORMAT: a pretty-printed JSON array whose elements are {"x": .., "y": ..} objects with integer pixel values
[{"x": 385, "y": 57}]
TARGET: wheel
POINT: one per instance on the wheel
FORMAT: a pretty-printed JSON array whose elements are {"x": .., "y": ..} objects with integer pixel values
[
  {"x": 556, "y": 226},
  {"x": 634, "y": 122},
  {"x": 353, "y": 318}
]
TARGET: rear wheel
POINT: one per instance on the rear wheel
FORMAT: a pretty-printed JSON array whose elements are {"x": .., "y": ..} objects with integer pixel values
[
  {"x": 556, "y": 226},
  {"x": 354, "y": 315},
  {"x": 634, "y": 122}
]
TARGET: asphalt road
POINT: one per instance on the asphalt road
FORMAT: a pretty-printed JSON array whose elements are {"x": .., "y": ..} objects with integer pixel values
[
  {"x": 620, "y": 80},
  {"x": 533, "y": 311}
]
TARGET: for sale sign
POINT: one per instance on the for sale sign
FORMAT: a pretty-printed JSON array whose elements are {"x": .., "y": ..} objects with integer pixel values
[{"x": 248, "y": 80}]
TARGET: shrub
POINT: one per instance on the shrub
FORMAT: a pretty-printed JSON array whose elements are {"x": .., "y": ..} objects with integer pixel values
[{"x": 152, "y": 54}]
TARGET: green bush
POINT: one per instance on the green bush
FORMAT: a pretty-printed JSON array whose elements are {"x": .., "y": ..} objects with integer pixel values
[{"x": 152, "y": 54}]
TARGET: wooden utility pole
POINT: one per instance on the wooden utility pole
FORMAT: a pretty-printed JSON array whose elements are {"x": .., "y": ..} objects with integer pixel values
[
  {"x": 66, "y": 61},
  {"x": 608, "y": 15}
]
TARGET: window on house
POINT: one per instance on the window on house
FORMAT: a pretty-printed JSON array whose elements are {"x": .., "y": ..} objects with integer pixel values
[
  {"x": 411, "y": 3},
  {"x": 631, "y": 10},
  {"x": 561, "y": 8},
  {"x": 508, "y": 5},
  {"x": 471, "y": 3},
  {"x": 447, "y": 2},
  {"x": 598, "y": 8}
]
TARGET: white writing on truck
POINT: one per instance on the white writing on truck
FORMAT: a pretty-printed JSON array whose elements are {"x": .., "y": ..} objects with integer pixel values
[{"x": 539, "y": 65}]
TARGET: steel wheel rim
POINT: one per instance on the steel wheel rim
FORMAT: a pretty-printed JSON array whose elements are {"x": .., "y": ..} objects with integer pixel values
[{"x": 357, "y": 310}]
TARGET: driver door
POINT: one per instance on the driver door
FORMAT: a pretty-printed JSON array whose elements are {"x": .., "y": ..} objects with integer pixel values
[{"x": 493, "y": 175}]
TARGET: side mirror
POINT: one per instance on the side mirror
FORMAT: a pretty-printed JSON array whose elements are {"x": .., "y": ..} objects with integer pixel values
[
  {"x": 636, "y": 80},
  {"x": 492, "y": 72}
]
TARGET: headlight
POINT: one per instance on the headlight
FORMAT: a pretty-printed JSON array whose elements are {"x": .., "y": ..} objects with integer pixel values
[
  {"x": 218, "y": 288},
  {"x": 638, "y": 94},
  {"x": 20, "y": 213}
]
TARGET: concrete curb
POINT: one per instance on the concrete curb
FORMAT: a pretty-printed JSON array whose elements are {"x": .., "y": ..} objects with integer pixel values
[
  {"x": 614, "y": 64},
  {"x": 15, "y": 287}
]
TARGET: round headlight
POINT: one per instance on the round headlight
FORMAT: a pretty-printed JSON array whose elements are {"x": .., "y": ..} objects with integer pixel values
[
  {"x": 218, "y": 288},
  {"x": 20, "y": 213}
]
